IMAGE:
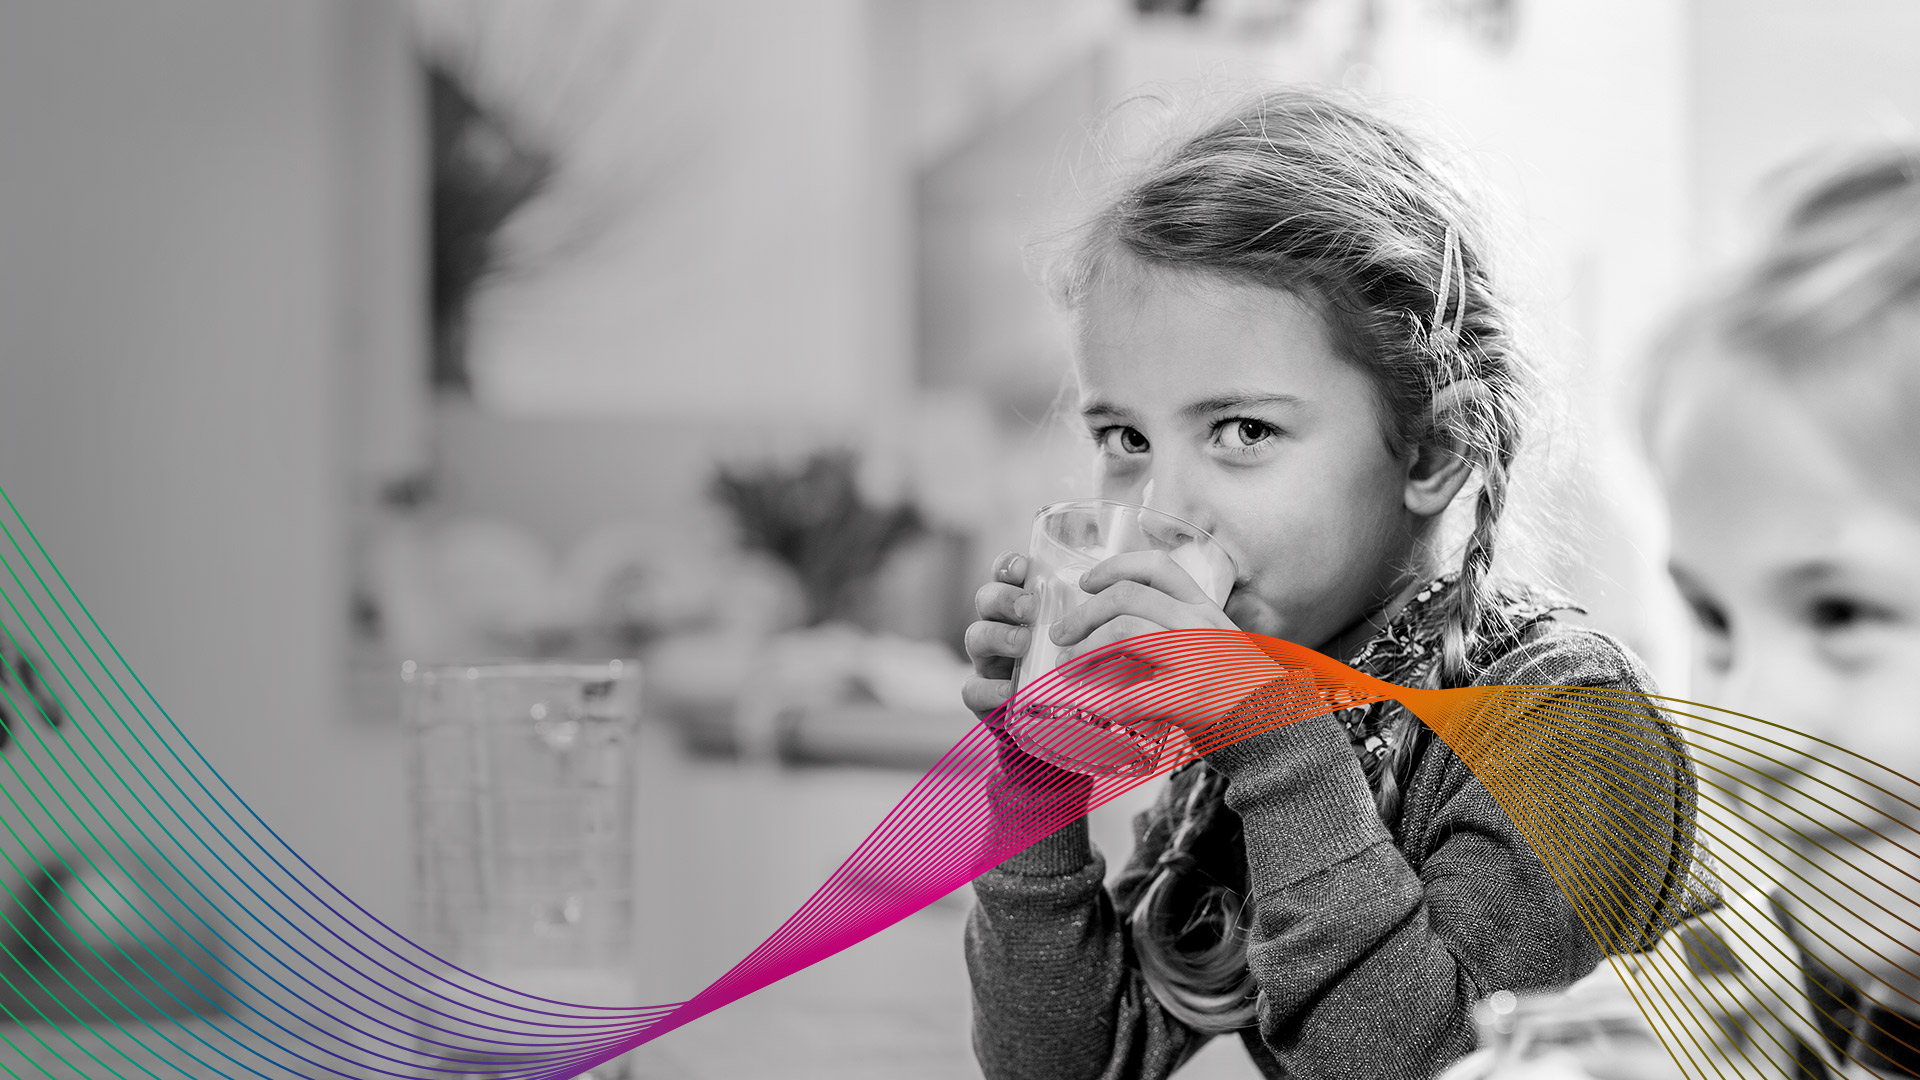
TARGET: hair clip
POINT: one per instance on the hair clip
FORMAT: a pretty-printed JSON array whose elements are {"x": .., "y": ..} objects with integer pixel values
[
  {"x": 1440, "y": 295},
  {"x": 1453, "y": 278}
]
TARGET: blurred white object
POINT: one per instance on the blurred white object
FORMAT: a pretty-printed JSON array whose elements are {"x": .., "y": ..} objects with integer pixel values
[
  {"x": 476, "y": 588},
  {"x": 1713, "y": 986},
  {"x": 640, "y": 578},
  {"x": 840, "y": 669},
  {"x": 904, "y": 674},
  {"x": 838, "y": 661},
  {"x": 467, "y": 588},
  {"x": 1594, "y": 1029},
  {"x": 497, "y": 579}
]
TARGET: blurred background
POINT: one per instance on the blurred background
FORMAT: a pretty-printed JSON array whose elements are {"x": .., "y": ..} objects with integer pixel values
[{"x": 340, "y": 332}]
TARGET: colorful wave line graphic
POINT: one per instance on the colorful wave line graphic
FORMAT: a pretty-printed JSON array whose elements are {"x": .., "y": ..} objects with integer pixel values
[{"x": 164, "y": 896}]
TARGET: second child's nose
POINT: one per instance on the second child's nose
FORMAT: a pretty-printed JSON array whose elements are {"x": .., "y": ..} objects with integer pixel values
[{"x": 1775, "y": 689}]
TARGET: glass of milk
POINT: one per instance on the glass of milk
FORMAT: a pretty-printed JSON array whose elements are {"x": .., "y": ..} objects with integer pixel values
[
  {"x": 524, "y": 833},
  {"x": 1069, "y": 539}
]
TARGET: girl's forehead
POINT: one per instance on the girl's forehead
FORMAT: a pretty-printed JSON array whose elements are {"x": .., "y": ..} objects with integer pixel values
[{"x": 1155, "y": 333}]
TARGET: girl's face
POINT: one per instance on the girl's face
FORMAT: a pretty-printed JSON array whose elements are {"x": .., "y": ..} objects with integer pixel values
[
  {"x": 1803, "y": 575},
  {"x": 1232, "y": 402}
]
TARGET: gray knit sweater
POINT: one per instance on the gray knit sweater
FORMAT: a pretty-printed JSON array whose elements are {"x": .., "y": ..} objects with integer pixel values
[{"x": 1369, "y": 951}]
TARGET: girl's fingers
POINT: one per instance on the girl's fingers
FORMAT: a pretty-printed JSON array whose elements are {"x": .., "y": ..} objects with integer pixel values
[
  {"x": 1117, "y": 600},
  {"x": 1010, "y": 567},
  {"x": 1005, "y": 603},
  {"x": 994, "y": 667},
  {"x": 1118, "y": 666},
  {"x": 1154, "y": 569},
  {"x": 988, "y": 641},
  {"x": 983, "y": 695}
]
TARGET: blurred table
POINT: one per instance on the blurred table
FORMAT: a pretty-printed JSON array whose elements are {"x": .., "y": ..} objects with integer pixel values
[
  {"x": 740, "y": 847},
  {"x": 728, "y": 850}
]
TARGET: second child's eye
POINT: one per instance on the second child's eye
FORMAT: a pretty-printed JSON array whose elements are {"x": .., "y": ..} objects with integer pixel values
[
  {"x": 1243, "y": 434},
  {"x": 1836, "y": 614},
  {"x": 1714, "y": 640},
  {"x": 1848, "y": 630},
  {"x": 1715, "y": 643}
]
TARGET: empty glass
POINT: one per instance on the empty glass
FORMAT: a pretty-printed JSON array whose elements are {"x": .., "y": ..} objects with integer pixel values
[
  {"x": 1069, "y": 538},
  {"x": 523, "y": 798}
]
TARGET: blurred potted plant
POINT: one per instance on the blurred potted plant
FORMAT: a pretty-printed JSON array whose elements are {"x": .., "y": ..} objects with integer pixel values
[
  {"x": 814, "y": 520},
  {"x": 485, "y": 169},
  {"x": 522, "y": 101}
]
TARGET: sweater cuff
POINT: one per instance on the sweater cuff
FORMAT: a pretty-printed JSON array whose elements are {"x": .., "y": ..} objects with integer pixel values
[
  {"x": 1068, "y": 851},
  {"x": 1023, "y": 783},
  {"x": 1299, "y": 788}
]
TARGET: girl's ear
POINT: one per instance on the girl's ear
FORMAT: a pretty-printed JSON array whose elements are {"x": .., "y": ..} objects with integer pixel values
[
  {"x": 1440, "y": 467},
  {"x": 1435, "y": 474}
]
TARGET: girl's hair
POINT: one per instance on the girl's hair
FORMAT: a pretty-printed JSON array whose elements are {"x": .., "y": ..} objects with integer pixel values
[
  {"x": 1303, "y": 192},
  {"x": 1831, "y": 303}
]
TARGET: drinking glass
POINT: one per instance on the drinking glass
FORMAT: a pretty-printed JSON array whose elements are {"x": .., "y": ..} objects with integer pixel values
[
  {"x": 1069, "y": 538},
  {"x": 524, "y": 830}
]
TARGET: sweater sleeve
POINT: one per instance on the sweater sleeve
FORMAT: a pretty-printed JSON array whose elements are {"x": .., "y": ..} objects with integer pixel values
[
  {"x": 1369, "y": 959},
  {"x": 1055, "y": 995}
]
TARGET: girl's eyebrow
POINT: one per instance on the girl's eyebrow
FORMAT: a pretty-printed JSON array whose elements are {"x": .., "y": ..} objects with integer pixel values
[
  {"x": 1227, "y": 402},
  {"x": 1093, "y": 410},
  {"x": 1101, "y": 410}
]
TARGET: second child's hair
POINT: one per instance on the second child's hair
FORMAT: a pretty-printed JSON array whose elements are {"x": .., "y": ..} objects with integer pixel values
[
  {"x": 1302, "y": 192},
  {"x": 1831, "y": 304}
]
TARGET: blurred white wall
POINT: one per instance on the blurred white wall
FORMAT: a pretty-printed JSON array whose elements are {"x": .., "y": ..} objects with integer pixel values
[
  {"x": 1580, "y": 130},
  {"x": 733, "y": 276},
  {"x": 1774, "y": 80},
  {"x": 171, "y": 400}
]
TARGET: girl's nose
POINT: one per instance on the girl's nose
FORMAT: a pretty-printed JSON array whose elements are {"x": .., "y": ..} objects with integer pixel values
[{"x": 1169, "y": 496}]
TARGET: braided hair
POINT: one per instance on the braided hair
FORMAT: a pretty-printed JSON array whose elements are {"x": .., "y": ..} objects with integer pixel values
[{"x": 1304, "y": 192}]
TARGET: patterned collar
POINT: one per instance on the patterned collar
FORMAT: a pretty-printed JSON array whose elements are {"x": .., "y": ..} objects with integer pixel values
[{"x": 1406, "y": 649}]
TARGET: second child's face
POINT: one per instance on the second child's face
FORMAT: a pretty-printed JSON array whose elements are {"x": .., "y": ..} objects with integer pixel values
[
  {"x": 1232, "y": 402},
  {"x": 1804, "y": 577}
]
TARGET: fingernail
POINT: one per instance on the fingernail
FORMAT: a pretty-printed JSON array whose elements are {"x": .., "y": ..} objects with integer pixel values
[
  {"x": 1003, "y": 565},
  {"x": 1054, "y": 634},
  {"x": 1020, "y": 639},
  {"x": 1017, "y": 565},
  {"x": 1023, "y": 607}
]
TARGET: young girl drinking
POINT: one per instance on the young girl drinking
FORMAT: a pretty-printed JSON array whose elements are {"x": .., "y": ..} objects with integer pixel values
[
  {"x": 1286, "y": 335},
  {"x": 1782, "y": 428}
]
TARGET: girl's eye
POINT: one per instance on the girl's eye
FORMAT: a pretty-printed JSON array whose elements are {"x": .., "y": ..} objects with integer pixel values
[
  {"x": 1120, "y": 439},
  {"x": 1243, "y": 434}
]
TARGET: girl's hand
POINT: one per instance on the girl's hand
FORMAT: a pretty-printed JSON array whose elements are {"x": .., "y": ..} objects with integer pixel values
[
  {"x": 1135, "y": 593},
  {"x": 1001, "y": 635}
]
